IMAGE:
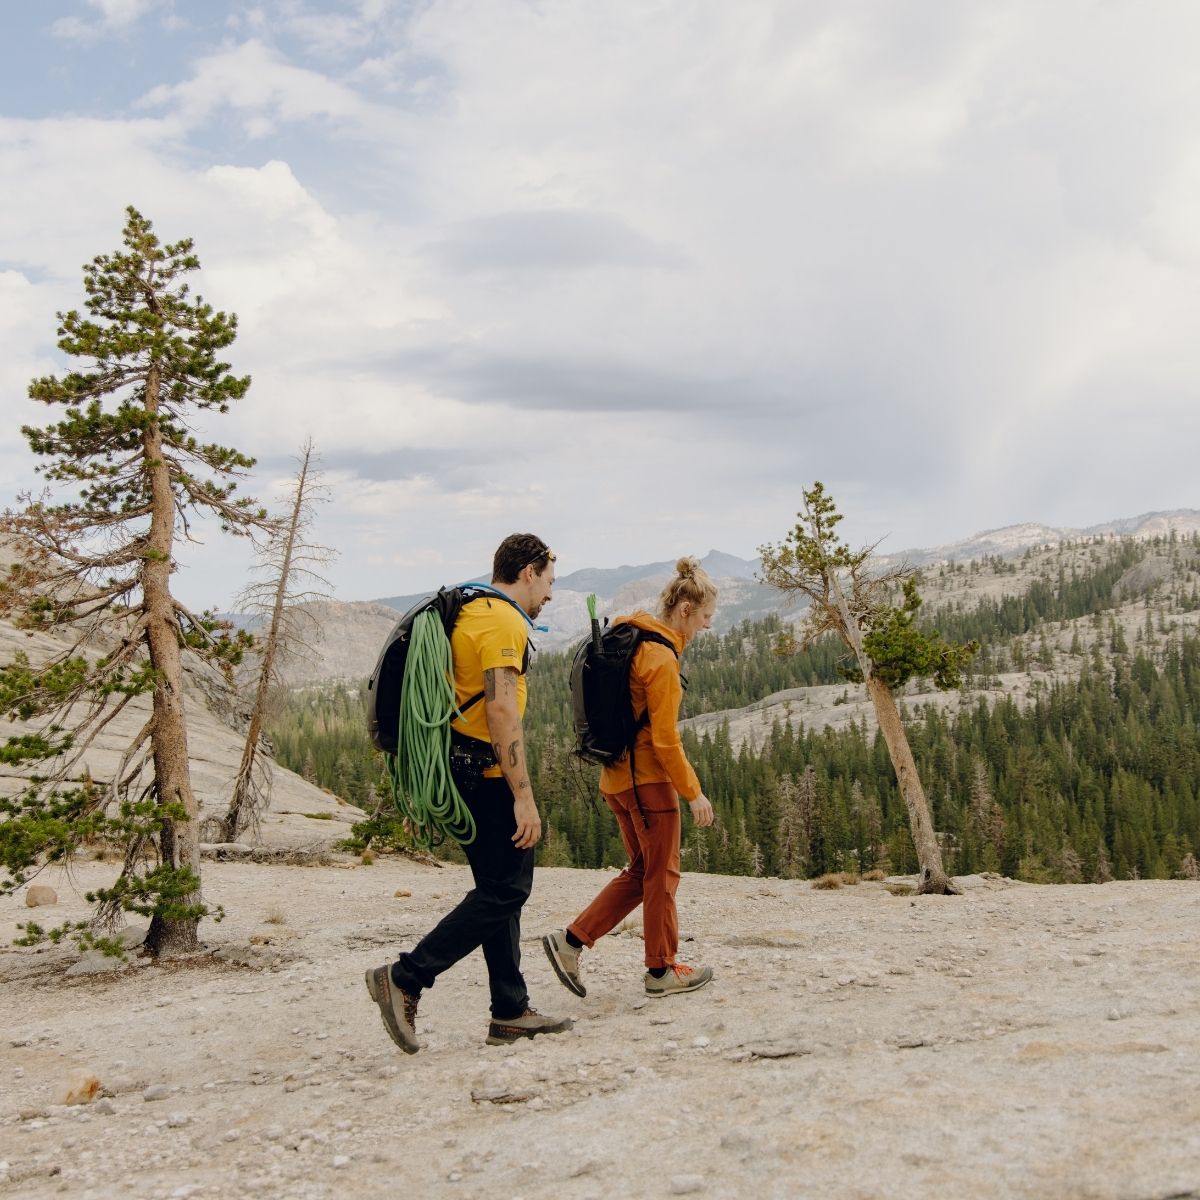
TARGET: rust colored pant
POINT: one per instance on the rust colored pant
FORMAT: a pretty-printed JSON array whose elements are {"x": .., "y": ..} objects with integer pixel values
[{"x": 651, "y": 879}]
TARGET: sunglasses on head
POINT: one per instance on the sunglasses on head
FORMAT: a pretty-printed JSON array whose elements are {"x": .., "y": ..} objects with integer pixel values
[{"x": 547, "y": 554}]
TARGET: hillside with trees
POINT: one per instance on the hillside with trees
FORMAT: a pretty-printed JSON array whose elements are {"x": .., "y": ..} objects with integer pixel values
[{"x": 1069, "y": 753}]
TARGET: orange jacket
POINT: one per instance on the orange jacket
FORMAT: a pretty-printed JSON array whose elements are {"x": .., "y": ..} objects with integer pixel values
[{"x": 654, "y": 684}]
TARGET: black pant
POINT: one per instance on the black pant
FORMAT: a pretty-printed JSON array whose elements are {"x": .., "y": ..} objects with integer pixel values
[{"x": 488, "y": 916}]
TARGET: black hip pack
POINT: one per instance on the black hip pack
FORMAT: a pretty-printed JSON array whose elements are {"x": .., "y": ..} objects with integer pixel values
[{"x": 469, "y": 758}]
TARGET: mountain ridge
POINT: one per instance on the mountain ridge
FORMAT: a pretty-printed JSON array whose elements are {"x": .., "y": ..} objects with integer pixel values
[
  {"x": 349, "y": 634},
  {"x": 1005, "y": 540}
]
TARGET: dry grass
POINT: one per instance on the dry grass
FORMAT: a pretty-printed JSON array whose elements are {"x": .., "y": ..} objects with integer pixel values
[
  {"x": 850, "y": 878},
  {"x": 900, "y": 889},
  {"x": 873, "y": 876},
  {"x": 828, "y": 882},
  {"x": 368, "y": 857},
  {"x": 275, "y": 916}
]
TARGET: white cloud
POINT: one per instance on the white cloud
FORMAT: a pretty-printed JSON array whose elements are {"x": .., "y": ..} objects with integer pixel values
[
  {"x": 123, "y": 12},
  {"x": 256, "y": 81},
  {"x": 24, "y": 342},
  {"x": 114, "y": 16},
  {"x": 1172, "y": 230},
  {"x": 668, "y": 263},
  {"x": 317, "y": 297}
]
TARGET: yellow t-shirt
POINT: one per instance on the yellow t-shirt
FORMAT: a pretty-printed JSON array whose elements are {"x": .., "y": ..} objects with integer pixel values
[{"x": 489, "y": 633}]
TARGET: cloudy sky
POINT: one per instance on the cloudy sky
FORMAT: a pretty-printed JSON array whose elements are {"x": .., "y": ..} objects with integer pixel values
[{"x": 630, "y": 274}]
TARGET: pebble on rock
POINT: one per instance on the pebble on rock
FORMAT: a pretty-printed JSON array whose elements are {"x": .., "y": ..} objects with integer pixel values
[
  {"x": 778, "y": 1048},
  {"x": 81, "y": 1088},
  {"x": 156, "y": 1091}
]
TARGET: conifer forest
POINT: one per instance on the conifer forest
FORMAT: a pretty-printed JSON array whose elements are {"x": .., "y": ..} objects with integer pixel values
[{"x": 1072, "y": 754}]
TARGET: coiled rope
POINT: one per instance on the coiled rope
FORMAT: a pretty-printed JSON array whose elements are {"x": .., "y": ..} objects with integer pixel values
[{"x": 419, "y": 773}]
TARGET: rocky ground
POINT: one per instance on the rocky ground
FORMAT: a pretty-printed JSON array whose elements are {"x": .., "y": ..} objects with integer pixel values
[{"x": 1013, "y": 1041}]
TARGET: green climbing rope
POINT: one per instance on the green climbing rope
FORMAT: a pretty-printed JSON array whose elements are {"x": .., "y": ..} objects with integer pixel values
[{"x": 419, "y": 773}]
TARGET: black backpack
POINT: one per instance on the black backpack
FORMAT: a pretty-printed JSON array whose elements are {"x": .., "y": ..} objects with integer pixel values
[
  {"x": 605, "y": 725},
  {"x": 383, "y": 688}
]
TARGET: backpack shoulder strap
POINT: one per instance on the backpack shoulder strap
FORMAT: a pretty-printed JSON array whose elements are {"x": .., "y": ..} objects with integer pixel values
[
  {"x": 472, "y": 592},
  {"x": 648, "y": 635},
  {"x": 464, "y": 594}
]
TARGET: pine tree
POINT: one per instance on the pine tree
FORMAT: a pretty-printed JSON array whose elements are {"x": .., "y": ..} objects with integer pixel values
[
  {"x": 308, "y": 772},
  {"x": 1070, "y": 865},
  {"x": 792, "y": 853},
  {"x": 888, "y": 648},
  {"x": 97, "y": 565},
  {"x": 868, "y": 817}
]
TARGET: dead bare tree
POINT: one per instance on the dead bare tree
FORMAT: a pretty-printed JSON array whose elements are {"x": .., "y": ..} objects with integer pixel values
[
  {"x": 288, "y": 562},
  {"x": 848, "y": 601}
]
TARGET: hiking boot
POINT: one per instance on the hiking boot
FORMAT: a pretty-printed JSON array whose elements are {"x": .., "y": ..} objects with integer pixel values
[
  {"x": 678, "y": 978},
  {"x": 564, "y": 958},
  {"x": 397, "y": 1007},
  {"x": 529, "y": 1024}
]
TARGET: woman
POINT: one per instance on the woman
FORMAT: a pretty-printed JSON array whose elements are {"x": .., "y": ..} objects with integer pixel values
[{"x": 649, "y": 815}]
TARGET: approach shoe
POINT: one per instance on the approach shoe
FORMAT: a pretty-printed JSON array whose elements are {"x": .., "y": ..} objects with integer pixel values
[
  {"x": 564, "y": 958},
  {"x": 397, "y": 1007},
  {"x": 679, "y": 978},
  {"x": 529, "y": 1024}
]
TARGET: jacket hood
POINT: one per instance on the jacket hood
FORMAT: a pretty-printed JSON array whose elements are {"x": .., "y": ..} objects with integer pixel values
[{"x": 644, "y": 620}]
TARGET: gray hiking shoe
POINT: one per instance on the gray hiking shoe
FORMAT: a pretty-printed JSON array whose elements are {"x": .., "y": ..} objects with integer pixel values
[
  {"x": 678, "y": 978},
  {"x": 397, "y": 1007},
  {"x": 529, "y": 1024},
  {"x": 564, "y": 958}
]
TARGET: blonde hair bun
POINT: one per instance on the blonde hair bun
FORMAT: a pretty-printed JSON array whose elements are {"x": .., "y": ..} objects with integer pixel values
[{"x": 691, "y": 583}]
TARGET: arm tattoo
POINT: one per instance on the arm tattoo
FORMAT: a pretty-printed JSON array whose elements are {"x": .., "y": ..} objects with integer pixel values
[
  {"x": 513, "y": 747},
  {"x": 523, "y": 786},
  {"x": 489, "y": 684},
  {"x": 496, "y": 750}
]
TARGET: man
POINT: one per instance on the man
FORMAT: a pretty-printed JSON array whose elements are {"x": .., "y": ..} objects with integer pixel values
[{"x": 490, "y": 644}]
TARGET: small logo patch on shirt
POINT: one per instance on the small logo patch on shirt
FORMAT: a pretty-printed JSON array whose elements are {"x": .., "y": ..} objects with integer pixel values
[{"x": 508, "y": 652}]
